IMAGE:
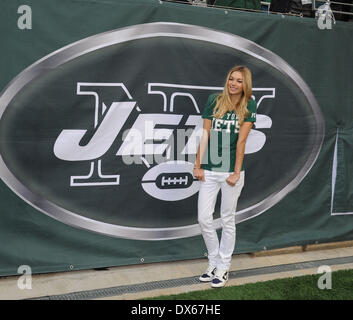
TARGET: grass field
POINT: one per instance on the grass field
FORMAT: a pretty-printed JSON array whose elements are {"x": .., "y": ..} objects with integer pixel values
[{"x": 297, "y": 288}]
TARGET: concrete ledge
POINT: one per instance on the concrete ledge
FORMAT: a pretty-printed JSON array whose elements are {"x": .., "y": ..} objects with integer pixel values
[
  {"x": 303, "y": 248},
  {"x": 294, "y": 249},
  {"x": 325, "y": 246}
]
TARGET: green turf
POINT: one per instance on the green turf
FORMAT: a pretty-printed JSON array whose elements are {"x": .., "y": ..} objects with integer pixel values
[{"x": 298, "y": 288}]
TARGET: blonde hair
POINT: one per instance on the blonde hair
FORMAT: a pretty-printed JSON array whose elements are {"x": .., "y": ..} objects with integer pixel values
[{"x": 224, "y": 103}]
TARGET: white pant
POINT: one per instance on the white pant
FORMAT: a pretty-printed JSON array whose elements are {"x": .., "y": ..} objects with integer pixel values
[{"x": 219, "y": 255}]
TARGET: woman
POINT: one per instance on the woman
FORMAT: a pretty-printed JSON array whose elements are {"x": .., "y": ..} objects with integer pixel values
[{"x": 228, "y": 118}]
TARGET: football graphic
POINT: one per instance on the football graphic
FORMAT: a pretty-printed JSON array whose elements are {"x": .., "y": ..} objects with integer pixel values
[{"x": 171, "y": 181}]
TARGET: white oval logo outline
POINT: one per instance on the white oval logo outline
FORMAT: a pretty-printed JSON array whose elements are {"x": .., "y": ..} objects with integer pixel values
[{"x": 150, "y": 30}]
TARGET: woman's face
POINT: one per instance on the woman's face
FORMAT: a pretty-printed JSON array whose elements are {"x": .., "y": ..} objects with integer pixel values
[{"x": 235, "y": 83}]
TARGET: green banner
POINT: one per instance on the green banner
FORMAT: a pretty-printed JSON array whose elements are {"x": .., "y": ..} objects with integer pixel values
[{"x": 100, "y": 119}]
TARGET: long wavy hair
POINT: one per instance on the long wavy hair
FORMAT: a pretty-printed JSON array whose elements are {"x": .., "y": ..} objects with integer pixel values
[{"x": 224, "y": 103}]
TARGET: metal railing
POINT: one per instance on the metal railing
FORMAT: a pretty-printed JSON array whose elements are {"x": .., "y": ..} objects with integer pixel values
[
  {"x": 315, "y": 6},
  {"x": 204, "y": 4}
]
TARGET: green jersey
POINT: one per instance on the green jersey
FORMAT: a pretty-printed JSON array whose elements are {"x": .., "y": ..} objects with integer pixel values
[{"x": 222, "y": 144}]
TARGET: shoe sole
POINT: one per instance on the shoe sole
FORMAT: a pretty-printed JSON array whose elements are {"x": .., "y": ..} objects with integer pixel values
[
  {"x": 205, "y": 280},
  {"x": 219, "y": 285}
]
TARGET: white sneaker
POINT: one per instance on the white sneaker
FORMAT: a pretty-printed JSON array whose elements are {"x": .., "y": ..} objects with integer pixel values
[
  {"x": 208, "y": 275},
  {"x": 220, "y": 279}
]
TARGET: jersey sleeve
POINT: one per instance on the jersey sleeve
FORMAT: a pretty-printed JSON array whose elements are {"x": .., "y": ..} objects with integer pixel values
[
  {"x": 210, "y": 104},
  {"x": 252, "y": 111}
]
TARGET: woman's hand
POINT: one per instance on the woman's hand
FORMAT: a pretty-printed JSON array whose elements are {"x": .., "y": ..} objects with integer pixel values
[
  {"x": 199, "y": 174},
  {"x": 233, "y": 179}
]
